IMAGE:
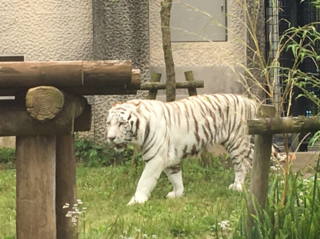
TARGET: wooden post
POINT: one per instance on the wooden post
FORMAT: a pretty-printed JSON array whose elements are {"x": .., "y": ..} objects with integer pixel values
[
  {"x": 167, "y": 50},
  {"x": 66, "y": 191},
  {"x": 156, "y": 77},
  {"x": 190, "y": 78},
  {"x": 261, "y": 164},
  {"x": 36, "y": 171}
]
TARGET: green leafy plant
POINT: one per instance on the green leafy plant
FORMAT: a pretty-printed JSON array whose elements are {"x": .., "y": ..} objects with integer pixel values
[
  {"x": 7, "y": 155},
  {"x": 93, "y": 155}
]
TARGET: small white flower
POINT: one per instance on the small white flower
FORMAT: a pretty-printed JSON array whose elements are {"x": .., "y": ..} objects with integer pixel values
[
  {"x": 144, "y": 236},
  {"x": 69, "y": 214},
  {"x": 138, "y": 230},
  {"x": 301, "y": 194},
  {"x": 224, "y": 224},
  {"x": 154, "y": 236}
]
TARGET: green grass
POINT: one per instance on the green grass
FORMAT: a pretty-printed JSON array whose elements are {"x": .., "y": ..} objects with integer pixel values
[{"x": 106, "y": 191}]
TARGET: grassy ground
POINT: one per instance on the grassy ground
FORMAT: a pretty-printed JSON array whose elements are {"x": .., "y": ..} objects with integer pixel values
[{"x": 106, "y": 191}]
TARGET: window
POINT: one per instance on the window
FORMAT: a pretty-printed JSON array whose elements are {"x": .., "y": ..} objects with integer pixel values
[
  {"x": 11, "y": 58},
  {"x": 196, "y": 20}
]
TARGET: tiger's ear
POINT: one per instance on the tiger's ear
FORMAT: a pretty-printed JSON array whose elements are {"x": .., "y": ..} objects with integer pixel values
[{"x": 116, "y": 103}]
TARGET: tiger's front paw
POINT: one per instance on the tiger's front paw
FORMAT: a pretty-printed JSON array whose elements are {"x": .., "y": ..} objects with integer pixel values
[
  {"x": 174, "y": 194},
  {"x": 138, "y": 199},
  {"x": 236, "y": 186}
]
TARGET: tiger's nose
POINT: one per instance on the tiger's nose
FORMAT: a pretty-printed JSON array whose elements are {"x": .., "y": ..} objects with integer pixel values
[{"x": 111, "y": 138}]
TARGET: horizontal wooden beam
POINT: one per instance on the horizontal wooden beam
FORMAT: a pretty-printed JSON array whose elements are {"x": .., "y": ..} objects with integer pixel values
[
  {"x": 179, "y": 85},
  {"x": 16, "y": 121},
  {"x": 279, "y": 125},
  {"x": 81, "y": 90},
  {"x": 84, "y": 76}
]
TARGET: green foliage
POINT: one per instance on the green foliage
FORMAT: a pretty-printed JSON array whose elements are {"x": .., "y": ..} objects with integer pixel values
[
  {"x": 94, "y": 155},
  {"x": 298, "y": 217},
  {"x": 7, "y": 155}
]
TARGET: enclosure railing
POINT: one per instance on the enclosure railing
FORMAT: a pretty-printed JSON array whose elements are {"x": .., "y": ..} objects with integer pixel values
[{"x": 263, "y": 127}]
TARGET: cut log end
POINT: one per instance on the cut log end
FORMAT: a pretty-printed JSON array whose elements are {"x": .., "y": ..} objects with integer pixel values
[{"x": 44, "y": 102}]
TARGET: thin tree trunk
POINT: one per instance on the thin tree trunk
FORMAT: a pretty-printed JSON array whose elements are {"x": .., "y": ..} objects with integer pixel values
[{"x": 167, "y": 50}]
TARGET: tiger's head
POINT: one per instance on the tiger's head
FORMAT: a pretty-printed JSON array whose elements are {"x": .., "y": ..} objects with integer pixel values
[{"x": 122, "y": 125}]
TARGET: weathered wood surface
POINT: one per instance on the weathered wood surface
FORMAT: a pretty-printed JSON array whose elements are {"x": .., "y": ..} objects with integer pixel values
[
  {"x": 81, "y": 90},
  {"x": 190, "y": 79},
  {"x": 83, "y": 121},
  {"x": 16, "y": 121},
  {"x": 66, "y": 191},
  {"x": 179, "y": 85},
  {"x": 278, "y": 125},
  {"x": 35, "y": 185},
  {"x": 167, "y": 50},
  {"x": 82, "y": 77},
  {"x": 155, "y": 79},
  {"x": 135, "y": 79},
  {"x": 44, "y": 102},
  {"x": 261, "y": 163}
]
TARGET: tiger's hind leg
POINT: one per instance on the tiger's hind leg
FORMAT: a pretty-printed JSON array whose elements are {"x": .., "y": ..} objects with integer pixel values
[
  {"x": 241, "y": 154},
  {"x": 174, "y": 174}
]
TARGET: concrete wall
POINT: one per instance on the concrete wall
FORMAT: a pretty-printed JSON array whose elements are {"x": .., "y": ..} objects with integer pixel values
[
  {"x": 120, "y": 31},
  {"x": 46, "y": 30},
  {"x": 214, "y": 62}
]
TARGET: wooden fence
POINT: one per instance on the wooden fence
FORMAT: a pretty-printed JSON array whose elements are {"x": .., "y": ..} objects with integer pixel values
[
  {"x": 154, "y": 85},
  {"x": 263, "y": 127}
]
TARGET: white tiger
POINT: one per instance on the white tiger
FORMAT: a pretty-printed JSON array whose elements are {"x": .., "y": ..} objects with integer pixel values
[{"x": 166, "y": 133}]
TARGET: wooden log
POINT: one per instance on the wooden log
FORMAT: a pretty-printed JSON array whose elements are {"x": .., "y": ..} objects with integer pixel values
[
  {"x": 179, "y": 85},
  {"x": 80, "y": 90},
  {"x": 260, "y": 165},
  {"x": 44, "y": 102},
  {"x": 135, "y": 79},
  {"x": 66, "y": 191},
  {"x": 190, "y": 78},
  {"x": 16, "y": 121},
  {"x": 35, "y": 186},
  {"x": 65, "y": 73},
  {"x": 155, "y": 79},
  {"x": 300, "y": 124}
]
